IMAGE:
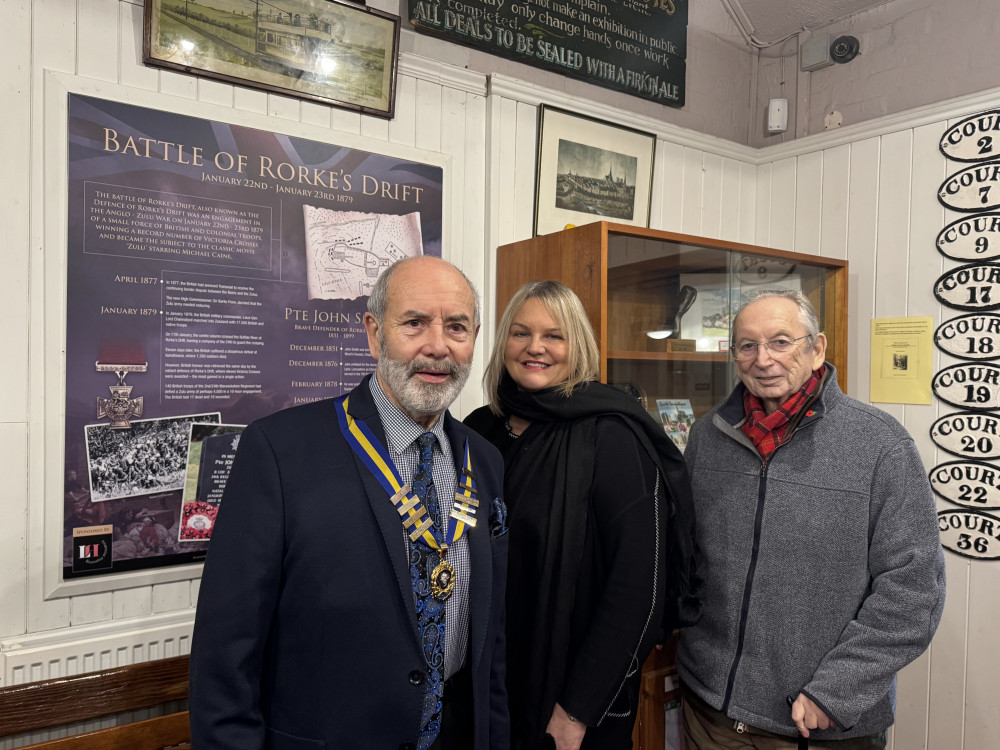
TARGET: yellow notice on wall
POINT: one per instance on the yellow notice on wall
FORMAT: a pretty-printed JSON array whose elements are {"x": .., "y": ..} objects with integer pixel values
[{"x": 902, "y": 360}]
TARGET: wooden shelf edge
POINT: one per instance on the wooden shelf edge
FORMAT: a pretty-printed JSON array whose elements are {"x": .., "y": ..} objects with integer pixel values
[{"x": 671, "y": 356}]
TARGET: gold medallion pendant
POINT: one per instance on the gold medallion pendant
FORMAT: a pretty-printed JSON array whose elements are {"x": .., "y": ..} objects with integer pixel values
[{"x": 442, "y": 580}]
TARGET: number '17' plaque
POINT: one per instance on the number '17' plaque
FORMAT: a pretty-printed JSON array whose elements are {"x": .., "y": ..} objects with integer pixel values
[{"x": 974, "y": 287}]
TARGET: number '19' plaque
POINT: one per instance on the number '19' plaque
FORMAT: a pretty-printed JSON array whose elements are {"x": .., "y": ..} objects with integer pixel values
[{"x": 969, "y": 386}]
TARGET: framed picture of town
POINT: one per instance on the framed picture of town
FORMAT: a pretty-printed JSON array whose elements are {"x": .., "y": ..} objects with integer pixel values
[
  {"x": 590, "y": 170},
  {"x": 323, "y": 50}
]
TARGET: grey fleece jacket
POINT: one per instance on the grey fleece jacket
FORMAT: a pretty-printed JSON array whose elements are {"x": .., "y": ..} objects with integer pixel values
[{"x": 823, "y": 570}]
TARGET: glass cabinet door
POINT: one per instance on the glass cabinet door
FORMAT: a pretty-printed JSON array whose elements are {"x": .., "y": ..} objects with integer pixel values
[{"x": 670, "y": 305}]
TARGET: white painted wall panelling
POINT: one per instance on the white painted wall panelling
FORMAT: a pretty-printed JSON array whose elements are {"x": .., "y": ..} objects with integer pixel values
[
  {"x": 925, "y": 217},
  {"x": 808, "y": 203},
  {"x": 835, "y": 190},
  {"x": 892, "y": 237},
  {"x": 15, "y": 194},
  {"x": 861, "y": 230}
]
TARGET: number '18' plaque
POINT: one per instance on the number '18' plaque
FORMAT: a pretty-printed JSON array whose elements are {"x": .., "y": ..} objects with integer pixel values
[{"x": 975, "y": 336}]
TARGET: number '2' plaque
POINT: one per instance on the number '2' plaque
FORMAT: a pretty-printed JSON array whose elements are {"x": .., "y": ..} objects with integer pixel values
[{"x": 974, "y": 138}]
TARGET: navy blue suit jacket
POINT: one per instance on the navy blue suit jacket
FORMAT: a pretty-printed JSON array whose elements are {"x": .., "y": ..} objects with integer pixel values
[{"x": 305, "y": 634}]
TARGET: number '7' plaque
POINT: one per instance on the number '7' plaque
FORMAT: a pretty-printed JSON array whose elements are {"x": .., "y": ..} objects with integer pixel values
[{"x": 974, "y": 189}]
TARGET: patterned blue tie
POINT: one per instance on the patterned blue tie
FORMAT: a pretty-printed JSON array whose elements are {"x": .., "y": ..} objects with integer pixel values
[{"x": 430, "y": 611}]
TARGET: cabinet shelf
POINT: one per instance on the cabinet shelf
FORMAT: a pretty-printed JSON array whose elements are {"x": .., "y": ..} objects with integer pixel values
[{"x": 671, "y": 356}]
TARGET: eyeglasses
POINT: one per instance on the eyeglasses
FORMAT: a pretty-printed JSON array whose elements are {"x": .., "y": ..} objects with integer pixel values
[{"x": 749, "y": 349}]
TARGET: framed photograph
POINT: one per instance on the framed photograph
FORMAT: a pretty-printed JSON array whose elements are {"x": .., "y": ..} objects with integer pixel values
[
  {"x": 323, "y": 50},
  {"x": 590, "y": 170}
]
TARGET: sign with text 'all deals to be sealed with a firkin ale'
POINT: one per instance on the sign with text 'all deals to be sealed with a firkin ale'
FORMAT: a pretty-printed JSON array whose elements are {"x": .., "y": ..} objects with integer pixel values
[{"x": 635, "y": 46}]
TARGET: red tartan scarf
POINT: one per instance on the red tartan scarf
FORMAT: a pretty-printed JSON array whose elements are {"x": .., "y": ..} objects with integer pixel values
[{"x": 768, "y": 431}]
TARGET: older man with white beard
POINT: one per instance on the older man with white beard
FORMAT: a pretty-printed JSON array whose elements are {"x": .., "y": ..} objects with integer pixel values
[{"x": 353, "y": 593}]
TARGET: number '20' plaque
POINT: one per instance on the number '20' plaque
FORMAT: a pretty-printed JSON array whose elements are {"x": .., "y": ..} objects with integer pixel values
[{"x": 969, "y": 434}]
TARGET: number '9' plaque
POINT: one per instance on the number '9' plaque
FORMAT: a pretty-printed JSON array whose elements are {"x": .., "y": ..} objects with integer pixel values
[
  {"x": 969, "y": 483},
  {"x": 968, "y": 434},
  {"x": 971, "y": 238},
  {"x": 974, "y": 287},
  {"x": 969, "y": 386},
  {"x": 975, "y": 336}
]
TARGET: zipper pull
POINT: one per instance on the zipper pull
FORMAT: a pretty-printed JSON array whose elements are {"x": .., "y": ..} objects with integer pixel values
[{"x": 740, "y": 727}]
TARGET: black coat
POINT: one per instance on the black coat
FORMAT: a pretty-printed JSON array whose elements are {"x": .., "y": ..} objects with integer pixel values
[
  {"x": 615, "y": 574},
  {"x": 305, "y": 635}
]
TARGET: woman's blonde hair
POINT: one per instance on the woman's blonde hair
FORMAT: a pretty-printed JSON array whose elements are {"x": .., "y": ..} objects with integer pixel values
[{"x": 561, "y": 302}]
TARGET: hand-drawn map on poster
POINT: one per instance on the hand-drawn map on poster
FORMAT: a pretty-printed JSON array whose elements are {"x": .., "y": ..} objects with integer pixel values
[
  {"x": 347, "y": 250},
  {"x": 215, "y": 274}
]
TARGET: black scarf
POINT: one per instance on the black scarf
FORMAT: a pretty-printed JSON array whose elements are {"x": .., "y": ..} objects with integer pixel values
[{"x": 555, "y": 459}]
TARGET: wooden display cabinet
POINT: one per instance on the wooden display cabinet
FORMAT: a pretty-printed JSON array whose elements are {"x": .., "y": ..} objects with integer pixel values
[{"x": 630, "y": 281}]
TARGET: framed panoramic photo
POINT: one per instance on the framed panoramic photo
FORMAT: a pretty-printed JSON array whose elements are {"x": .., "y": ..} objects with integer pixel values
[
  {"x": 323, "y": 50},
  {"x": 590, "y": 170}
]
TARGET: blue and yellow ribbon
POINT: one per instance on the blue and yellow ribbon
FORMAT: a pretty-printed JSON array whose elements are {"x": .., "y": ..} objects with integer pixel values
[{"x": 416, "y": 520}]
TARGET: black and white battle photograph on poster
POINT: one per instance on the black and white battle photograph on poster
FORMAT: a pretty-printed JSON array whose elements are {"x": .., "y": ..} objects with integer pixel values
[
  {"x": 215, "y": 274},
  {"x": 638, "y": 47}
]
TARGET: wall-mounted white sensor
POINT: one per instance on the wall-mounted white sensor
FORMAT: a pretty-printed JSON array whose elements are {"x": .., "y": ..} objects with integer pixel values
[{"x": 777, "y": 116}]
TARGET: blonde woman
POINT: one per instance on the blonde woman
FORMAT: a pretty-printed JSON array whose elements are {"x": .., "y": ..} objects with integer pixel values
[{"x": 598, "y": 570}]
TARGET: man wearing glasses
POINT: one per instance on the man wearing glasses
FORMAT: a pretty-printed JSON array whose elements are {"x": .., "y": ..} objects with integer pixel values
[{"x": 822, "y": 567}]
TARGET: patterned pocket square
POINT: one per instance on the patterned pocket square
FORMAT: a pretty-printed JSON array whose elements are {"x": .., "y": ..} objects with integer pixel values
[{"x": 498, "y": 517}]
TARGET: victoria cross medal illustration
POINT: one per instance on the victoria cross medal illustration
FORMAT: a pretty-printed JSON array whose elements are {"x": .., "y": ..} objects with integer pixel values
[{"x": 121, "y": 407}]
